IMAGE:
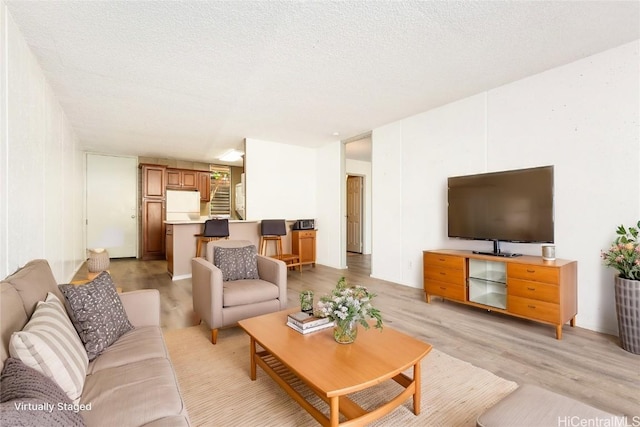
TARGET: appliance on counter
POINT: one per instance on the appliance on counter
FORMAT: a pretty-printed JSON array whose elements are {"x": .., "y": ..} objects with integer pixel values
[
  {"x": 304, "y": 224},
  {"x": 183, "y": 205}
]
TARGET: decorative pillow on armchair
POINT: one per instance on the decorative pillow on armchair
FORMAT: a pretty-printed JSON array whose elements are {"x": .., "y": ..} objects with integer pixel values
[
  {"x": 97, "y": 313},
  {"x": 236, "y": 263}
]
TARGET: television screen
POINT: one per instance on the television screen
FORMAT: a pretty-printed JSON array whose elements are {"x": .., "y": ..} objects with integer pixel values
[{"x": 512, "y": 206}]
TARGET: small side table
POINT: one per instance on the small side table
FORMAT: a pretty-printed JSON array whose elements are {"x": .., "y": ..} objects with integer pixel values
[
  {"x": 91, "y": 276},
  {"x": 84, "y": 282}
]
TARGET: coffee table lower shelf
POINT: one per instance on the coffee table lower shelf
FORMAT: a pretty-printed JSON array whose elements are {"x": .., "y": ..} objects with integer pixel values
[{"x": 355, "y": 415}]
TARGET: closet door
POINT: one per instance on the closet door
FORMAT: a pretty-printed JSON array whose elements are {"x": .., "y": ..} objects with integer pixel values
[{"x": 111, "y": 204}]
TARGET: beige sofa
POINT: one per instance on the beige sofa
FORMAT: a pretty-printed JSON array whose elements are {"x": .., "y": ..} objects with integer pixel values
[
  {"x": 222, "y": 303},
  {"x": 131, "y": 383}
]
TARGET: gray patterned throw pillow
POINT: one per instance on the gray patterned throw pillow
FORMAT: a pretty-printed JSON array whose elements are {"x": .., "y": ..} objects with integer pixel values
[
  {"x": 97, "y": 313},
  {"x": 236, "y": 263}
]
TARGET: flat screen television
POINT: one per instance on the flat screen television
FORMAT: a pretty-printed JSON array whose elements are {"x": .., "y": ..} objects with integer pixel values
[{"x": 509, "y": 206}]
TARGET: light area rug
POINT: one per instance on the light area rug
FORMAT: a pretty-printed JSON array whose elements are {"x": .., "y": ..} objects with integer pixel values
[{"x": 214, "y": 381}]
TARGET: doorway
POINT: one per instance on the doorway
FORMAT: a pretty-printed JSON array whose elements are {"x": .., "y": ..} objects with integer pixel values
[
  {"x": 354, "y": 213},
  {"x": 111, "y": 204},
  {"x": 357, "y": 198}
]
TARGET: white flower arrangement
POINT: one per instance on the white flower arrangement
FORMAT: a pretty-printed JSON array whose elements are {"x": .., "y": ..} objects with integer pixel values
[{"x": 346, "y": 304}]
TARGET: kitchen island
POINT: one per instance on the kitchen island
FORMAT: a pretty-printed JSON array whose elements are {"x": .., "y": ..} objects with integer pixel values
[{"x": 181, "y": 242}]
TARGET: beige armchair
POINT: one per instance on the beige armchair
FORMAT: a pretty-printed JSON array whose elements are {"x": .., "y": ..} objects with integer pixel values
[{"x": 223, "y": 303}]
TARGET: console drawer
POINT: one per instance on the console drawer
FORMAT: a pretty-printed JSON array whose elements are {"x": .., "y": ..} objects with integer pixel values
[
  {"x": 308, "y": 233},
  {"x": 534, "y": 290},
  {"x": 533, "y": 309},
  {"x": 447, "y": 275},
  {"x": 446, "y": 290},
  {"x": 446, "y": 261},
  {"x": 535, "y": 273}
]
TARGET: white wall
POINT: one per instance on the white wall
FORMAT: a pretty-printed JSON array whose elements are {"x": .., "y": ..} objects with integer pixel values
[
  {"x": 331, "y": 191},
  {"x": 42, "y": 172},
  {"x": 4, "y": 160},
  {"x": 386, "y": 203},
  {"x": 583, "y": 118},
  {"x": 281, "y": 180},
  {"x": 363, "y": 169},
  {"x": 292, "y": 182}
]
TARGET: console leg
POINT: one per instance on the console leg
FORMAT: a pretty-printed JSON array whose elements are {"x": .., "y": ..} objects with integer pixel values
[
  {"x": 573, "y": 322},
  {"x": 428, "y": 298},
  {"x": 417, "y": 396},
  {"x": 558, "y": 332}
]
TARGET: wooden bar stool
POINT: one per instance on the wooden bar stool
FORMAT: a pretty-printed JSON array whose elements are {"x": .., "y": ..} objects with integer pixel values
[
  {"x": 272, "y": 230},
  {"x": 214, "y": 229}
]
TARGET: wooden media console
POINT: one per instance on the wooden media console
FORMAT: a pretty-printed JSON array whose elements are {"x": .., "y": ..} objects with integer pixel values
[{"x": 524, "y": 286}]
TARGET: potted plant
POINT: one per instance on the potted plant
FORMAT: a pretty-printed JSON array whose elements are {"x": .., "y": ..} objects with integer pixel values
[
  {"x": 624, "y": 256},
  {"x": 349, "y": 306}
]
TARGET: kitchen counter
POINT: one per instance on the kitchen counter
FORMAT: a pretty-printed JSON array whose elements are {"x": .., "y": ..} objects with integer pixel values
[
  {"x": 202, "y": 220},
  {"x": 181, "y": 242}
]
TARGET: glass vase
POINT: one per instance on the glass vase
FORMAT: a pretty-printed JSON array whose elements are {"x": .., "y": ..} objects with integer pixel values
[
  {"x": 306, "y": 301},
  {"x": 345, "y": 331}
]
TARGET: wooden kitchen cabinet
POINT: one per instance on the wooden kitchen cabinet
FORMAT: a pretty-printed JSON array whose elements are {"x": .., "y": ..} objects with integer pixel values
[
  {"x": 204, "y": 186},
  {"x": 169, "y": 248},
  {"x": 152, "y": 211},
  {"x": 153, "y": 229},
  {"x": 303, "y": 244},
  {"x": 182, "y": 179},
  {"x": 153, "y": 180}
]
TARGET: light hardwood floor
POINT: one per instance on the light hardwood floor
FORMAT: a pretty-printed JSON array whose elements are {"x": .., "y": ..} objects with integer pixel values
[{"x": 585, "y": 365}]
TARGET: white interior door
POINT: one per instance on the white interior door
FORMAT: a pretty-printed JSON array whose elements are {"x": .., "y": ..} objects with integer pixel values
[{"x": 112, "y": 184}]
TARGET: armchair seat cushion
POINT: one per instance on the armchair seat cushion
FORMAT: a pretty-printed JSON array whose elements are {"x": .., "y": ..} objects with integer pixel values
[{"x": 242, "y": 292}]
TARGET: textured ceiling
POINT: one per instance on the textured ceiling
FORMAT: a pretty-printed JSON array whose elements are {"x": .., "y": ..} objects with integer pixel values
[{"x": 192, "y": 79}]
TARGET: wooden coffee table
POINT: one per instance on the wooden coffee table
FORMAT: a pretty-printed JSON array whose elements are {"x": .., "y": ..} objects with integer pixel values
[{"x": 333, "y": 371}]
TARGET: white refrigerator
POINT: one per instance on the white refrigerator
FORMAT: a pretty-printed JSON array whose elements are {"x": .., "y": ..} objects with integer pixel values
[{"x": 183, "y": 205}]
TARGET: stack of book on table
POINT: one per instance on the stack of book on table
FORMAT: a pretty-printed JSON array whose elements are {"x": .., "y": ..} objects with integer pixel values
[{"x": 306, "y": 323}]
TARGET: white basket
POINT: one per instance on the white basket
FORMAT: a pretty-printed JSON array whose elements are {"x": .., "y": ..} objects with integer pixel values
[{"x": 98, "y": 260}]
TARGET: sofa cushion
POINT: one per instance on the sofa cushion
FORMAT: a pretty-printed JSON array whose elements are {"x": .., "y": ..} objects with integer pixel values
[
  {"x": 97, "y": 313},
  {"x": 12, "y": 317},
  {"x": 25, "y": 391},
  {"x": 50, "y": 344},
  {"x": 33, "y": 282},
  {"x": 241, "y": 292},
  {"x": 530, "y": 405},
  {"x": 175, "y": 421},
  {"x": 139, "y": 344},
  {"x": 132, "y": 395},
  {"x": 236, "y": 263}
]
